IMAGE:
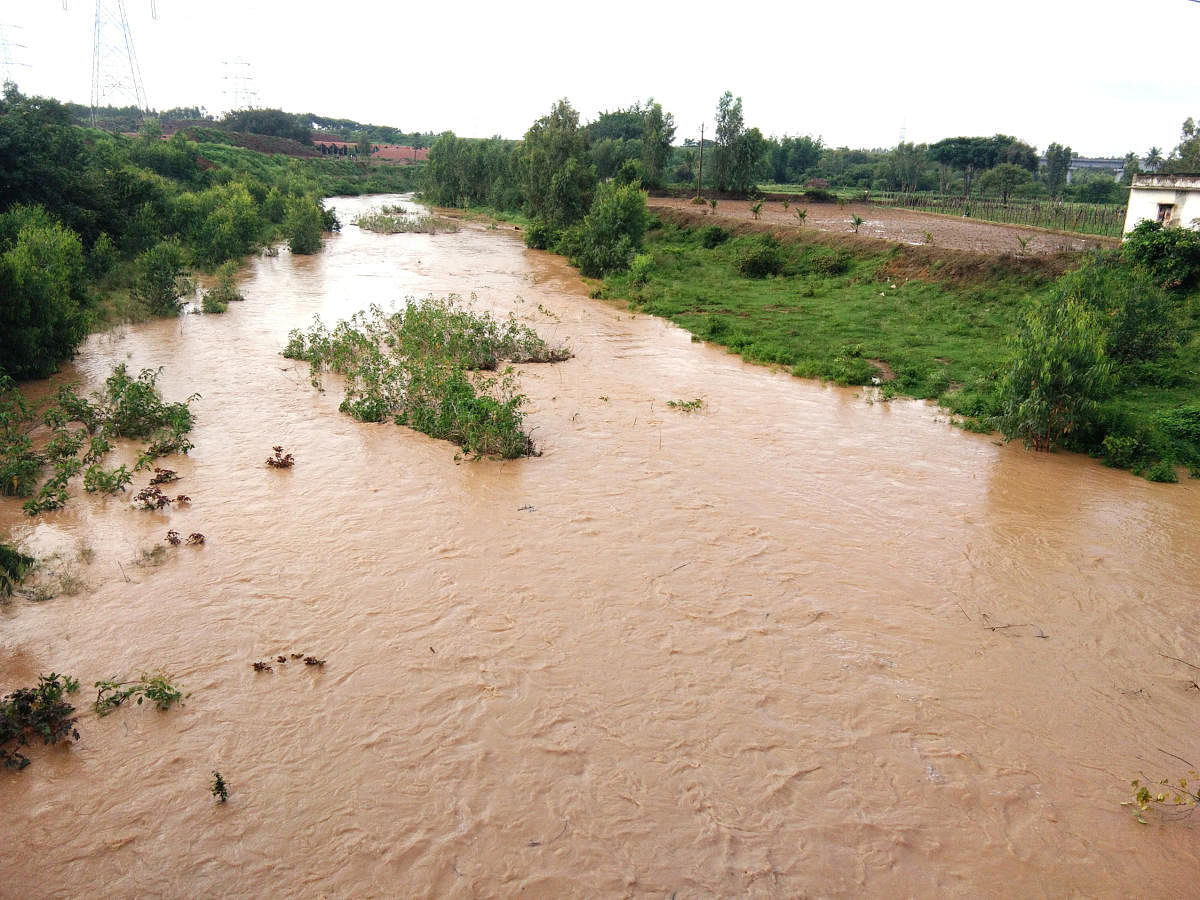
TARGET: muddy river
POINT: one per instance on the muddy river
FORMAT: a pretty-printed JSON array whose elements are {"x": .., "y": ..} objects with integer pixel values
[{"x": 743, "y": 651}]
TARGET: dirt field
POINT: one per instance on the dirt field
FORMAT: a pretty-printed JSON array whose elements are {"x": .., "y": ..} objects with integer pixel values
[{"x": 903, "y": 225}]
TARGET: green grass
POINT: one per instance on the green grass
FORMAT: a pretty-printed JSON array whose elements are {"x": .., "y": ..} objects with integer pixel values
[
  {"x": 829, "y": 311},
  {"x": 853, "y": 310}
]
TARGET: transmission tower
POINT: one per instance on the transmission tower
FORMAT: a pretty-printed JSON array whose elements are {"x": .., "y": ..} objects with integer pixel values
[
  {"x": 115, "y": 72},
  {"x": 8, "y": 63},
  {"x": 239, "y": 84}
]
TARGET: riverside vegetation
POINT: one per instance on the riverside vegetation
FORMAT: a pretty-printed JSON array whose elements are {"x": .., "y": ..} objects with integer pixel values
[
  {"x": 98, "y": 228},
  {"x": 1119, "y": 379},
  {"x": 421, "y": 367},
  {"x": 82, "y": 430}
]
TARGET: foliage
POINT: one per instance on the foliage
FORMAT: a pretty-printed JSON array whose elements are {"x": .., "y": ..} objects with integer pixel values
[
  {"x": 414, "y": 365},
  {"x": 687, "y": 405},
  {"x": 303, "y": 224},
  {"x": 1003, "y": 180},
  {"x": 611, "y": 233},
  {"x": 1183, "y": 794},
  {"x": 36, "y": 712},
  {"x": 760, "y": 257},
  {"x": 275, "y": 122},
  {"x": 156, "y": 688},
  {"x": 740, "y": 157},
  {"x": 126, "y": 407},
  {"x": 555, "y": 172},
  {"x": 383, "y": 222},
  {"x": 1139, "y": 319},
  {"x": 1170, "y": 255},
  {"x": 96, "y": 478},
  {"x": 219, "y": 788},
  {"x": 159, "y": 278},
  {"x": 464, "y": 172},
  {"x": 1058, "y": 162},
  {"x": 714, "y": 236},
  {"x": 658, "y": 132},
  {"x": 1058, "y": 373},
  {"x": 42, "y": 297},
  {"x": 225, "y": 291},
  {"x": 14, "y": 566},
  {"x": 970, "y": 155}
]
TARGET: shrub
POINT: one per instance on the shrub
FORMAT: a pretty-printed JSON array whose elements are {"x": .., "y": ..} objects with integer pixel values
[
  {"x": 36, "y": 712},
  {"x": 14, "y": 566},
  {"x": 713, "y": 236},
  {"x": 760, "y": 257},
  {"x": 158, "y": 282},
  {"x": 1139, "y": 318},
  {"x": 1170, "y": 255},
  {"x": 42, "y": 296},
  {"x": 1057, "y": 374},
  {"x": 220, "y": 295},
  {"x": 640, "y": 268},
  {"x": 541, "y": 235},
  {"x": 611, "y": 232},
  {"x": 302, "y": 225}
]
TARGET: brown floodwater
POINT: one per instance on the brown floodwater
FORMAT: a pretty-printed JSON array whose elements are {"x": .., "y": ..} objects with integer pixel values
[{"x": 740, "y": 652}]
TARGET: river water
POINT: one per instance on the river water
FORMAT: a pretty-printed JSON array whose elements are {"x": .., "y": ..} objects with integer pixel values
[{"x": 738, "y": 651}]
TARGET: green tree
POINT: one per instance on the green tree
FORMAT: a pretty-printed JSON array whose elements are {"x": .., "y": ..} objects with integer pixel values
[
  {"x": 611, "y": 233},
  {"x": 730, "y": 125},
  {"x": 1140, "y": 320},
  {"x": 1058, "y": 163},
  {"x": 1154, "y": 159},
  {"x": 1132, "y": 165},
  {"x": 302, "y": 225},
  {"x": 159, "y": 271},
  {"x": 41, "y": 293},
  {"x": 658, "y": 133},
  {"x": 1058, "y": 374},
  {"x": 556, "y": 174},
  {"x": 904, "y": 166},
  {"x": 1003, "y": 180},
  {"x": 970, "y": 155}
]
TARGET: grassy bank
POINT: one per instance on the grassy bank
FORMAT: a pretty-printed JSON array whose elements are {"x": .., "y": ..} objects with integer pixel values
[{"x": 919, "y": 321}]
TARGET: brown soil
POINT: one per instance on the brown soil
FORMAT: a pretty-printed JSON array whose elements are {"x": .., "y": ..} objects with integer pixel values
[{"x": 899, "y": 225}]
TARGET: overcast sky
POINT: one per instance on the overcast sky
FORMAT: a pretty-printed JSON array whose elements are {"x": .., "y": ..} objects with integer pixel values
[{"x": 1104, "y": 76}]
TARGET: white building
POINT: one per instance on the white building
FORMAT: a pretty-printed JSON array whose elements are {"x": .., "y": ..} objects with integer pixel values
[{"x": 1171, "y": 199}]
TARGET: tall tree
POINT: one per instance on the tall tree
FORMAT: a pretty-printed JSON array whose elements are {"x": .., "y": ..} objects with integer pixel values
[
  {"x": 904, "y": 165},
  {"x": 1004, "y": 179},
  {"x": 658, "y": 133},
  {"x": 1058, "y": 162},
  {"x": 556, "y": 173},
  {"x": 730, "y": 126}
]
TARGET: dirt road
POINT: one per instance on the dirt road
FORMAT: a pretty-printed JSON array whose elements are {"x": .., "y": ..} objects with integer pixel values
[{"x": 902, "y": 225}]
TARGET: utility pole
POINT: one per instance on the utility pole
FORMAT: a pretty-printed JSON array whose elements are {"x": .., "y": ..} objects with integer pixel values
[{"x": 700, "y": 175}]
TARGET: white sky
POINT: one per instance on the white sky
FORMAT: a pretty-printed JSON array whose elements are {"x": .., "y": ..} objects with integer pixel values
[{"x": 1104, "y": 76}]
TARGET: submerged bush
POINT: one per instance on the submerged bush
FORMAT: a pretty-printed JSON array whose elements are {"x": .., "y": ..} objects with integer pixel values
[
  {"x": 416, "y": 367},
  {"x": 36, "y": 712},
  {"x": 158, "y": 283}
]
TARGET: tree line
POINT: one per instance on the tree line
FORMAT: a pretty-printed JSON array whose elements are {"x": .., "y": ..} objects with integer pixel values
[{"x": 91, "y": 221}]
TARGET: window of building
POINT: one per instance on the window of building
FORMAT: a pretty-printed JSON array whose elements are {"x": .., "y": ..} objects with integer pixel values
[{"x": 1166, "y": 212}]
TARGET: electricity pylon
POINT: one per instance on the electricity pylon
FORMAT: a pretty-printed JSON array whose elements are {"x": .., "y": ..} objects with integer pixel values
[{"x": 115, "y": 72}]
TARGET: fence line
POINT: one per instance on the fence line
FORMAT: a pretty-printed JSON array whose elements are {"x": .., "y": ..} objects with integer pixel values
[{"x": 1085, "y": 218}]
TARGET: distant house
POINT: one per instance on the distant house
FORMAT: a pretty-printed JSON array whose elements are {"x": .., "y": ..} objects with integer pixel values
[{"x": 1173, "y": 200}]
